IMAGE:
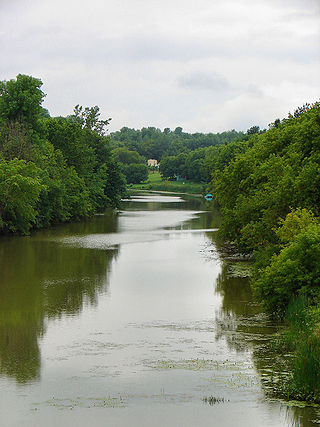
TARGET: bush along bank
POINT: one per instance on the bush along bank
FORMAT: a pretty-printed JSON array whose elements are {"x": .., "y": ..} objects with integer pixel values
[
  {"x": 303, "y": 338},
  {"x": 288, "y": 285},
  {"x": 269, "y": 194}
]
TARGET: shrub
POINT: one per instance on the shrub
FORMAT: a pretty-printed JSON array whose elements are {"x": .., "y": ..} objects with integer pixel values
[{"x": 294, "y": 271}]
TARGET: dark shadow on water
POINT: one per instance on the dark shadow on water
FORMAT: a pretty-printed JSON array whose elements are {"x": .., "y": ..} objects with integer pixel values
[{"x": 41, "y": 279}]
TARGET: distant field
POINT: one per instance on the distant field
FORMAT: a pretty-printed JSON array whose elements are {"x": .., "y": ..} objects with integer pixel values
[{"x": 154, "y": 182}]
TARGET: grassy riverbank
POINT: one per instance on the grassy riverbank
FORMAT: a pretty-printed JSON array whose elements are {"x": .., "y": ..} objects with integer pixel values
[
  {"x": 303, "y": 338},
  {"x": 297, "y": 349},
  {"x": 155, "y": 183}
]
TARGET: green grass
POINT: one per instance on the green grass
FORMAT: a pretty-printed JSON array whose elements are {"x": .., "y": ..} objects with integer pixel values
[
  {"x": 155, "y": 183},
  {"x": 302, "y": 338},
  {"x": 304, "y": 335}
]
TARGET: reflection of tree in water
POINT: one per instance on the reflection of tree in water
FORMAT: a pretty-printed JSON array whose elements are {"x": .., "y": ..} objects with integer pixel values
[
  {"x": 239, "y": 319},
  {"x": 302, "y": 417},
  {"x": 81, "y": 275},
  {"x": 236, "y": 293},
  {"x": 245, "y": 328},
  {"x": 41, "y": 279},
  {"x": 104, "y": 223}
]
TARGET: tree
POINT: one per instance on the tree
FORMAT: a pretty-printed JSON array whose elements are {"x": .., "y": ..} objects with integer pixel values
[
  {"x": 15, "y": 141},
  {"x": 173, "y": 166},
  {"x": 51, "y": 169},
  {"x": 253, "y": 130},
  {"x": 135, "y": 173},
  {"x": 274, "y": 172},
  {"x": 294, "y": 272},
  {"x": 115, "y": 185},
  {"x": 67, "y": 135},
  {"x": 178, "y": 131},
  {"x": 20, "y": 187},
  {"x": 88, "y": 118},
  {"x": 65, "y": 196},
  {"x": 21, "y": 100},
  {"x": 132, "y": 165},
  {"x": 194, "y": 165},
  {"x": 127, "y": 157}
]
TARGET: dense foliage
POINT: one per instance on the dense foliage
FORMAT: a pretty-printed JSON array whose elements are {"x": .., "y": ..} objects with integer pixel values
[
  {"x": 294, "y": 271},
  {"x": 267, "y": 187},
  {"x": 132, "y": 165},
  {"x": 198, "y": 164},
  {"x": 180, "y": 154},
  {"x": 277, "y": 170},
  {"x": 152, "y": 143},
  {"x": 51, "y": 169}
]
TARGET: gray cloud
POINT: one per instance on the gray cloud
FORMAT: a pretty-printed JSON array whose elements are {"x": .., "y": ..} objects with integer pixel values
[
  {"x": 167, "y": 63},
  {"x": 58, "y": 44},
  {"x": 205, "y": 81}
]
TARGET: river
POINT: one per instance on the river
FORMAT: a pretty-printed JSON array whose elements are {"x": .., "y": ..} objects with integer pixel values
[{"x": 134, "y": 318}]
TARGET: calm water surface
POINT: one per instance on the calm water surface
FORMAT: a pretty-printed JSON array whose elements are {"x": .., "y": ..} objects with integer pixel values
[{"x": 133, "y": 318}]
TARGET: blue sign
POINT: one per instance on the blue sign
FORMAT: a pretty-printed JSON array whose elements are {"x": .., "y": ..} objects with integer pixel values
[{"x": 208, "y": 197}]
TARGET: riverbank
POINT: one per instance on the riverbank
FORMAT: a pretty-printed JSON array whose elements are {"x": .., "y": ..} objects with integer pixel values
[
  {"x": 155, "y": 183},
  {"x": 300, "y": 379},
  {"x": 268, "y": 191}
]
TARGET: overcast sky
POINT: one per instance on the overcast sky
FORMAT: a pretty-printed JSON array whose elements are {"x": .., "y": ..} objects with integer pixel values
[{"x": 204, "y": 65}]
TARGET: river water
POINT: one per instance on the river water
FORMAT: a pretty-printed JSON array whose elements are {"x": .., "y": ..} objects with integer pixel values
[{"x": 134, "y": 318}]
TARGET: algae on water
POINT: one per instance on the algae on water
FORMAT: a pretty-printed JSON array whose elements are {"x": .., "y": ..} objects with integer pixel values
[{"x": 240, "y": 269}]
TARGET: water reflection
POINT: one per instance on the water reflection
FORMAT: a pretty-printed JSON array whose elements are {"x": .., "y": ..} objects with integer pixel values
[
  {"x": 41, "y": 279},
  {"x": 103, "y": 223},
  {"x": 237, "y": 296},
  {"x": 156, "y": 202},
  {"x": 245, "y": 328},
  {"x": 160, "y": 311}
]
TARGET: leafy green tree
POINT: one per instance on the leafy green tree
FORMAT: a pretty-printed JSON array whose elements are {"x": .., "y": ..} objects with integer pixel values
[
  {"x": 294, "y": 272},
  {"x": 274, "y": 172},
  {"x": 194, "y": 165},
  {"x": 21, "y": 100},
  {"x": 123, "y": 155},
  {"x": 153, "y": 144},
  {"x": 135, "y": 173},
  {"x": 115, "y": 185},
  {"x": 20, "y": 187},
  {"x": 173, "y": 166},
  {"x": 15, "y": 141},
  {"x": 53, "y": 169},
  {"x": 220, "y": 156},
  {"x": 295, "y": 222},
  {"x": 68, "y": 137},
  {"x": 132, "y": 165},
  {"x": 253, "y": 130},
  {"x": 89, "y": 118},
  {"x": 65, "y": 196}
]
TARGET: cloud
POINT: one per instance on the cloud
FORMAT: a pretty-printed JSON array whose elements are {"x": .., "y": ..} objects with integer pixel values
[
  {"x": 167, "y": 63},
  {"x": 205, "y": 81}
]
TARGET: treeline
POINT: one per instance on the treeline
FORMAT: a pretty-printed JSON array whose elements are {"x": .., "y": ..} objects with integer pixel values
[
  {"x": 152, "y": 143},
  {"x": 197, "y": 165},
  {"x": 179, "y": 153},
  {"x": 268, "y": 188},
  {"x": 52, "y": 170}
]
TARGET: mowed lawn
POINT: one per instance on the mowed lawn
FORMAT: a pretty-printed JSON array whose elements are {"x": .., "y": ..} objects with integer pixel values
[{"x": 155, "y": 182}]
